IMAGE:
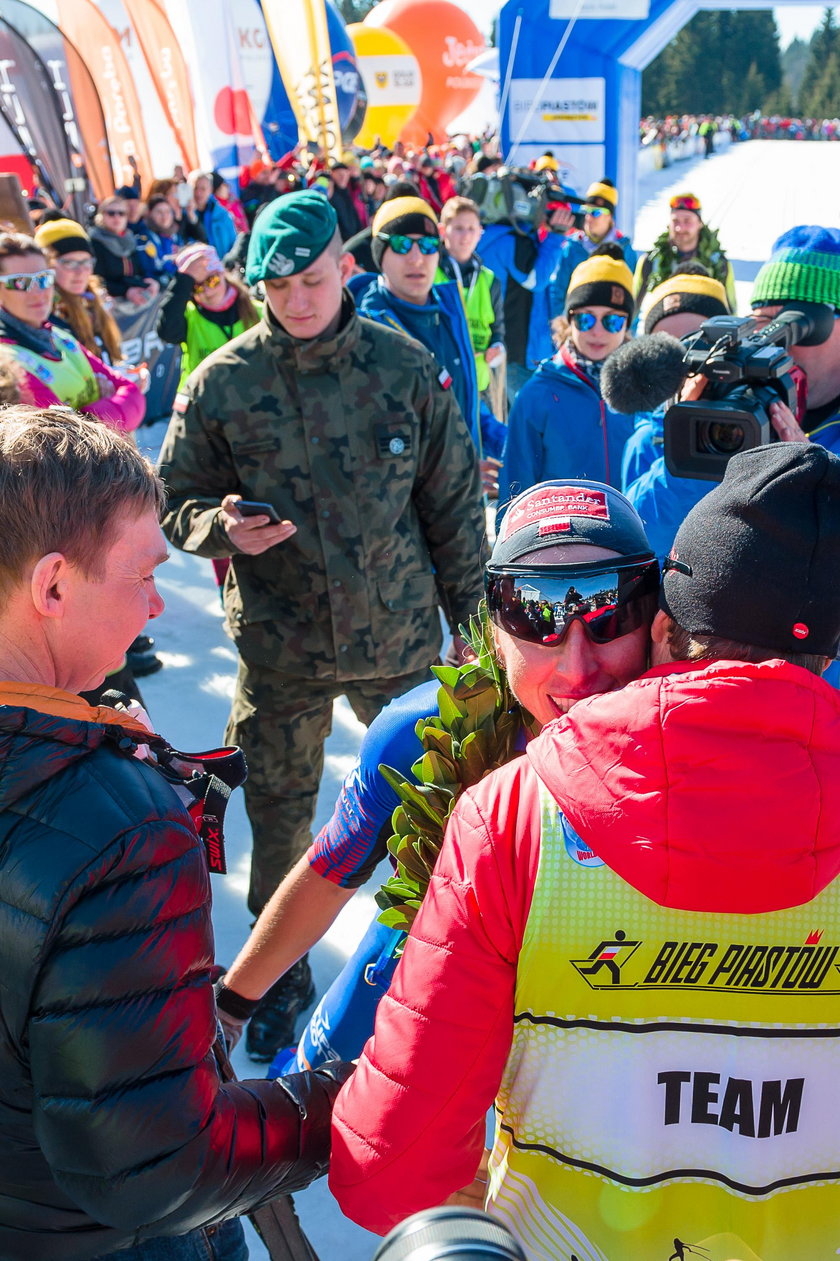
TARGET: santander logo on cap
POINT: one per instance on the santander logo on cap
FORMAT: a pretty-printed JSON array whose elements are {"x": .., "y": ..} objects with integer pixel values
[{"x": 553, "y": 505}]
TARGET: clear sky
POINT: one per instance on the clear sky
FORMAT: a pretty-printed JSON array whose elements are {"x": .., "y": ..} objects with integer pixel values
[{"x": 792, "y": 20}]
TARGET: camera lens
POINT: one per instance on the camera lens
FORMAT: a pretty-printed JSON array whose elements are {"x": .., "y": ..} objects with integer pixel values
[
  {"x": 465, "y": 1233},
  {"x": 717, "y": 437}
]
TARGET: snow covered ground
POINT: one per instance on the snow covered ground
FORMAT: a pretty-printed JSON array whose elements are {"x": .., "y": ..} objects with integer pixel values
[{"x": 751, "y": 194}]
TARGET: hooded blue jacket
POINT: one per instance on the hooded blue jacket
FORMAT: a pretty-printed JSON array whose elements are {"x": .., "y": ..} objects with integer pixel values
[
  {"x": 571, "y": 255},
  {"x": 441, "y": 326},
  {"x": 561, "y": 427}
]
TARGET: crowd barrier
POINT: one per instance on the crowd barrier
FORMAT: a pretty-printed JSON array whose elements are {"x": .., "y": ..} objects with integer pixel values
[
  {"x": 657, "y": 154},
  {"x": 141, "y": 344}
]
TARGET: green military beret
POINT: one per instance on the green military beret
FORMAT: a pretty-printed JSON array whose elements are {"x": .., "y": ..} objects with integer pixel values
[{"x": 291, "y": 233}]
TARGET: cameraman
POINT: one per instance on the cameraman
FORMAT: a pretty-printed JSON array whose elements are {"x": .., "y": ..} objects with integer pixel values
[
  {"x": 804, "y": 267},
  {"x": 522, "y": 253}
]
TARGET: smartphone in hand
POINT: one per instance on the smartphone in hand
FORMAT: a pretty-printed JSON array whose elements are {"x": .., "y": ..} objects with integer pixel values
[{"x": 250, "y": 508}]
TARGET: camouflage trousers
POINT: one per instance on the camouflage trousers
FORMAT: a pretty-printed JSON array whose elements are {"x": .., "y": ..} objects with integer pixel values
[{"x": 281, "y": 722}]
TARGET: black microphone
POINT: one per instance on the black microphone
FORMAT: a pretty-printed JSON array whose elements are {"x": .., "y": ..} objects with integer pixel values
[{"x": 642, "y": 374}]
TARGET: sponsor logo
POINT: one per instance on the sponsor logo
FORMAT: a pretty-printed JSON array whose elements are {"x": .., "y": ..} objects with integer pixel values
[
  {"x": 558, "y": 502},
  {"x": 807, "y": 967},
  {"x": 576, "y": 848}
]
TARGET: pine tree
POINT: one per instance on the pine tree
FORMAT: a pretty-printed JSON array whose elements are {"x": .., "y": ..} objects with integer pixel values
[
  {"x": 824, "y": 43},
  {"x": 794, "y": 60},
  {"x": 825, "y": 95},
  {"x": 753, "y": 92},
  {"x": 719, "y": 63}
]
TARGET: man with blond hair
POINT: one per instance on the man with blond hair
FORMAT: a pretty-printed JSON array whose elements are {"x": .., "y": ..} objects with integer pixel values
[{"x": 115, "y": 1127}]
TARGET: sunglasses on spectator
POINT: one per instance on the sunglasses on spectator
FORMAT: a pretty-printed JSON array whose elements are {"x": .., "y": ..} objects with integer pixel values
[
  {"x": 75, "y": 264},
  {"x": 596, "y": 212},
  {"x": 685, "y": 202},
  {"x": 613, "y": 322},
  {"x": 23, "y": 281},
  {"x": 538, "y": 604},
  {"x": 212, "y": 282},
  {"x": 116, "y": 214},
  {"x": 401, "y": 244}
]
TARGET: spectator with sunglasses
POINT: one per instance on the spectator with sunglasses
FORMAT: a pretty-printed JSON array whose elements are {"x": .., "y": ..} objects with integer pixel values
[
  {"x": 687, "y": 237},
  {"x": 591, "y": 642},
  {"x": 81, "y": 303},
  {"x": 58, "y": 369},
  {"x": 560, "y": 426},
  {"x": 406, "y": 249},
  {"x": 115, "y": 249},
  {"x": 618, "y": 940},
  {"x": 204, "y": 308},
  {"x": 598, "y": 229}
]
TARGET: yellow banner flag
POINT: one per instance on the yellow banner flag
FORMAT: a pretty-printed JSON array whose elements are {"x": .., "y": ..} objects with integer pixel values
[{"x": 299, "y": 37}]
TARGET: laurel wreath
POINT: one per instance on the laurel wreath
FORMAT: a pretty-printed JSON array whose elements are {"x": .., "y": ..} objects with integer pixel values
[{"x": 474, "y": 732}]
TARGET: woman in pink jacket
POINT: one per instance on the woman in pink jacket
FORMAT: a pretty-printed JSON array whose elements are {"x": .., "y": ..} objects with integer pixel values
[{"x": 55, "y": 367}]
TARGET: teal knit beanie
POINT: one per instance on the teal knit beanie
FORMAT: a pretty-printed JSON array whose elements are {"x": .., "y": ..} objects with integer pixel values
[{"x": 803, "y": 267}]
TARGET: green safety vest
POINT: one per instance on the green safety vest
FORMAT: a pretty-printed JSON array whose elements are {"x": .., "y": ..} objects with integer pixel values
[
  {"x": 71, "y": 378},
  {"x": 203, "y": 337},
  {"x": 671, "y": 1091},
  {"x": 478, "y": 304}
]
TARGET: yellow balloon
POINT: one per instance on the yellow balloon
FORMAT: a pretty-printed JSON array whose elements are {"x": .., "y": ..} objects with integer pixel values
[{"x": 391, "y": 75}]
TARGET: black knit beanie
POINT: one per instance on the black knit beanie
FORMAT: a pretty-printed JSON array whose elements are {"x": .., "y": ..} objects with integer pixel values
[{"x": 757, "y": 560}]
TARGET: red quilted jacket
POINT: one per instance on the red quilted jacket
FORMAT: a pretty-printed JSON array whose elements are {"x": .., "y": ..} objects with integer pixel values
[{"x": 714, "y": 787}]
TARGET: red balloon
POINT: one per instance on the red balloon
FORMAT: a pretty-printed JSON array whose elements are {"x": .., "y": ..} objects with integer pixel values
[{"x": 443, "y": 39}]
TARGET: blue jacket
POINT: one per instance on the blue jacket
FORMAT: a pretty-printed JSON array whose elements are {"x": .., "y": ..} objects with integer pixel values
[
  {"x": 155, "y": 253},
  {"x": 663, "y": 500},
  {"x": 540, "y": 341},
  {"x": 441, "y": 326},
  {"x": 644, "y": 447},
  {"x": 218, "y": 226},
  {"x": 498, "y": 246},
  {"x": 572, "y": 254},
  {"x": 561, "y": 427}
]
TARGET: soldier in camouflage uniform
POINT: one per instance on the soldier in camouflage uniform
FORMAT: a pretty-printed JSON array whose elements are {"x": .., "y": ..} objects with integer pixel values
[{"x": 344, "y": 428}]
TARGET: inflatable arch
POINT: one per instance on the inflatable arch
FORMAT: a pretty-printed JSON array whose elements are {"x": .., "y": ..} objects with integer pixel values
[{"x": 571, "y": 81}]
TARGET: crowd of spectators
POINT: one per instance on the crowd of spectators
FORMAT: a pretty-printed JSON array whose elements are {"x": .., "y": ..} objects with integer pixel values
[{"x": 352, "y": 331}]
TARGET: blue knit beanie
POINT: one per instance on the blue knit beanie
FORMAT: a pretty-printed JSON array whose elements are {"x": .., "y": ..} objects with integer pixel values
[{"x": 804, "y": 266}]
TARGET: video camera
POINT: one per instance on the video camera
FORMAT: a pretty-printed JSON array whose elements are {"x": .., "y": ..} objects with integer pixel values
[
  {"x": 746, "y": 371},
  {"x": 517, "y": 196}
]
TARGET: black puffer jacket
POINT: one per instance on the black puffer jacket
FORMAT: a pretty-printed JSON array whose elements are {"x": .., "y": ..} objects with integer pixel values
[{"x": 114, "y": 1126}]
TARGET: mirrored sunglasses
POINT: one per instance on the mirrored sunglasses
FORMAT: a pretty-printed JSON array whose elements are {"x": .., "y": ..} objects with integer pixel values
[
  {"x": 685, "y": 202},
  {"x": 613, "y": 322},
  {"x": 596, "y": 212},
  {"x": 22, "y": 282},
  {"x": 401, "y": 244},
  {"x": 539, "y": 603}
]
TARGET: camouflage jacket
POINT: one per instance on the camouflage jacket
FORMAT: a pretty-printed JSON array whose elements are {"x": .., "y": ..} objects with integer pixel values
[{"x": 353, "y": 439}]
